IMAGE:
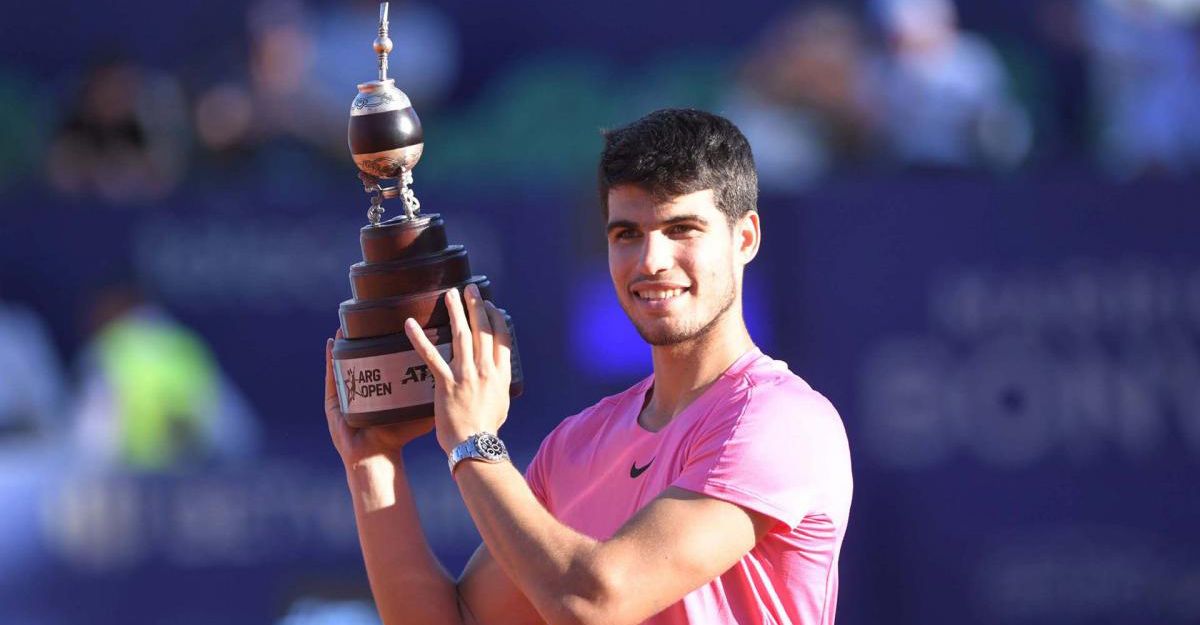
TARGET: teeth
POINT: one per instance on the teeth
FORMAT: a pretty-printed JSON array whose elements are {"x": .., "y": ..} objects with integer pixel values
[{"x": 660, "y": 294}]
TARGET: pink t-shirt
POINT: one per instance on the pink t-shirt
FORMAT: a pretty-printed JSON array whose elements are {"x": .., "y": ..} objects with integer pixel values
[{"x": 759, "y": 437}]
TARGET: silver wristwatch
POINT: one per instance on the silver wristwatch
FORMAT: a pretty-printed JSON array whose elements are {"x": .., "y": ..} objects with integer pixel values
[{"x": 482, "y": 446}]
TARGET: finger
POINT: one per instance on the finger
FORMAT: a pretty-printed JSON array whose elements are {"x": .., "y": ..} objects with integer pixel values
[
  {"x": 426, "y": 350},
  {"x": 333, "y": 408},
  {"x": 464, "y": 349},
  {"x": 481, "y": 327},
  {"x": 330, "y": 385},
  {"x": 502, "y": 351}
]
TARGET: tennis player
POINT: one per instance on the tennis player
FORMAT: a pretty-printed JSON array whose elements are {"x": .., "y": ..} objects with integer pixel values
[{"x": 716, "y": 490}]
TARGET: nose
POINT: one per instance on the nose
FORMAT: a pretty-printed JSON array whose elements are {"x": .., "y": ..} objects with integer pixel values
[{"x": 656, "y": 254}]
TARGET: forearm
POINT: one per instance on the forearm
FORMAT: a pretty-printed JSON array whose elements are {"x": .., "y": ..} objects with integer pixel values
[
  {"x": 553, "y": 565},
  {"x": 409, "y": 584}
]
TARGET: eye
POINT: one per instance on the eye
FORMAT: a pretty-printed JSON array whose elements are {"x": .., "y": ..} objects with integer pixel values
[
  {"x": 680, "y": 230},
  {"x": 625, "y": 234}
]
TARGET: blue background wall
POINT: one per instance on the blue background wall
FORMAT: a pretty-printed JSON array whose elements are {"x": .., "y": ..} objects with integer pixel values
[{"x": 1016, "y": 357}]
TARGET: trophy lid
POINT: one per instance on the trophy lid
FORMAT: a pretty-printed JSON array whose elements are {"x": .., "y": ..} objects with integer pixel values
[{"x": 379, "y": 96}]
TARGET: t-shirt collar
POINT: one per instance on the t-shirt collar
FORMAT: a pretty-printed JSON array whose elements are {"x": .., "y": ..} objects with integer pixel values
[
  {"x": 739, "y": 366},
  {"x": 743, "y": 362}
]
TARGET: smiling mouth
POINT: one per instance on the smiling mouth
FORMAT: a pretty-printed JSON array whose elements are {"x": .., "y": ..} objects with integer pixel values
[{"x": 658, "y": 295}]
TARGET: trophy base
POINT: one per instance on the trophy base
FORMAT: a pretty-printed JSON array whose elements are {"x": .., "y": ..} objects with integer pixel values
[
  {"x": 382, "y": 380},
  {"x": 408, "y": 413}
]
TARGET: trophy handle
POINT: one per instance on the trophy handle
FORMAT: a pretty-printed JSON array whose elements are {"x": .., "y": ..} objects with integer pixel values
[{"x": 371, "y": 184}]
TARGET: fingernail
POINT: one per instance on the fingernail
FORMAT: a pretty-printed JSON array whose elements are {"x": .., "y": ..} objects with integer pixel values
[
  {"x": 474, "y": 290},
  {"x": 328, "y": 343}
]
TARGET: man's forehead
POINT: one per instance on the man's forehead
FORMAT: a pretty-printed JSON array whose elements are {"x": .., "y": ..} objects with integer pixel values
[{"x": 629, "y": 203}]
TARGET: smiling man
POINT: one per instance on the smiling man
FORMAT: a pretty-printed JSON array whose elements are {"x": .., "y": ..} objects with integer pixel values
[{"x": 716, "y": 490}]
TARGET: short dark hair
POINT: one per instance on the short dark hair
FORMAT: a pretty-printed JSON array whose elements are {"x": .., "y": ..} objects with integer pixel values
[{"x": 673, "y": 152}]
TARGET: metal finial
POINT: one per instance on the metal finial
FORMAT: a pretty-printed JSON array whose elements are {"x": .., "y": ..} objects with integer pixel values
[{"x": 383, "y": 44}]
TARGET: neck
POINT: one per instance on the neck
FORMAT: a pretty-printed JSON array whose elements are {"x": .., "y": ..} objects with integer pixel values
[{"x": 685, "y": 370}]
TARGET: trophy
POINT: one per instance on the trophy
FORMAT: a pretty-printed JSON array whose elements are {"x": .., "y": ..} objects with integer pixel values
[{"x": 406, "y": 270}]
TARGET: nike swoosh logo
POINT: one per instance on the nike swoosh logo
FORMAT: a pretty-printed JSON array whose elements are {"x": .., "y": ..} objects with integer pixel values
[{"x": 635, "y": 471}]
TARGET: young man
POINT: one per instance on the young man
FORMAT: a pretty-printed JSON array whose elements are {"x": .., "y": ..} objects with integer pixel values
[{"x": 716, "y": 490}]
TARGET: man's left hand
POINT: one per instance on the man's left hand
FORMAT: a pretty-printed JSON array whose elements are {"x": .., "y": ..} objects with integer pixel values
[{"x": 471, "y": 391}]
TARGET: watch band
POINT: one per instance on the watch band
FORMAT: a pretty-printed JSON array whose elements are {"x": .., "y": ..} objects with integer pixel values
[{"x": 483, "y": 446}]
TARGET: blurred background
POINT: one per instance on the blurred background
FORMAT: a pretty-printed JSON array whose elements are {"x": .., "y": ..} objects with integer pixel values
[{"x": 982, "y": 243}]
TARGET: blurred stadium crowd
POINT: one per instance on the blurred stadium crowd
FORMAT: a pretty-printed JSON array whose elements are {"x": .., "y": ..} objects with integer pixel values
[{"x": 826, "y": 88}]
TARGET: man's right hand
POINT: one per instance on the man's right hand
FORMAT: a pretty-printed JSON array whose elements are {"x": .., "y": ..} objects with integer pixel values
[
  {"x": 408, "y": 583},
  {"x": 359, "y": 445}
]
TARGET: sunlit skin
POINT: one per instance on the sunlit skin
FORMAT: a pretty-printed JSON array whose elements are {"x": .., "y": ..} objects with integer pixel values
[
  {"x": 686, "y": 249},
  {"x": 532, "y": 567}
]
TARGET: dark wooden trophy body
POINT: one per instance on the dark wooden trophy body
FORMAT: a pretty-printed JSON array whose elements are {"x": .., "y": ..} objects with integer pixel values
[{"x": 406, "y": 270}]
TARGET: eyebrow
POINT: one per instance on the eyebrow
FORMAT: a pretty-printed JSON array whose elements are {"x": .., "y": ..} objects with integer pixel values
[
  {"x": 625, "y": 223},
  {"x": 619, "y": 224},
  {"x": 685, "y": 218}
]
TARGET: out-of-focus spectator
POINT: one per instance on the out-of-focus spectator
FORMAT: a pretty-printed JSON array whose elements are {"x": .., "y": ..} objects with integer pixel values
[
  {"x": 21, "y": 127},
  {"x": 274, "y": 102},
  {"x": 152, "y": 395},
  {"x": 1145, "y": 58},
  {"x": 1064, "y": 124},
  {"x": 303, "y": 68},
  {"x": 31, "y": 380},
  {"x": 944, "y": 93},
  {"x": 800, "y": 97},
  {"x": 123, "y": 137},
  {"x": 300, "y": 76}
]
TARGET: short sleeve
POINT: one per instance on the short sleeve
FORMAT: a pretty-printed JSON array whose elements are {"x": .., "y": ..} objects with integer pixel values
[
  {"x": 779, "y": 450},
  {"x": 540, "y": 474},
  {"x": 537, "y": 471}
]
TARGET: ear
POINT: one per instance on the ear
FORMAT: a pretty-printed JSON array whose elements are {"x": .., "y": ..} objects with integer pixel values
[{"x": 747, "y": 235}]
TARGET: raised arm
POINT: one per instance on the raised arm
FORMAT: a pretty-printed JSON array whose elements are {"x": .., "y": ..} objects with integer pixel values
[
  {"x": 408, "y": 583},
  {"x": 679, "y": 542},
  {"x": 676, "y": 544}
]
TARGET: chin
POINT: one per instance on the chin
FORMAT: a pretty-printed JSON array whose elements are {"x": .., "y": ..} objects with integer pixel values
[
  {"x": 672, "y": 330},
  {"x": 662, "y": 334}
]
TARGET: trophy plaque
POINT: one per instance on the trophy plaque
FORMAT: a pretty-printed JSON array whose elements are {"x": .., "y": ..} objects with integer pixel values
[{"x": 406, "y": 270}]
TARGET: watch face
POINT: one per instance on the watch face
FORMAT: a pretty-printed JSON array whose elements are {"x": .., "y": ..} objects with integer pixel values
[{"x": 490, "y": 447}]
